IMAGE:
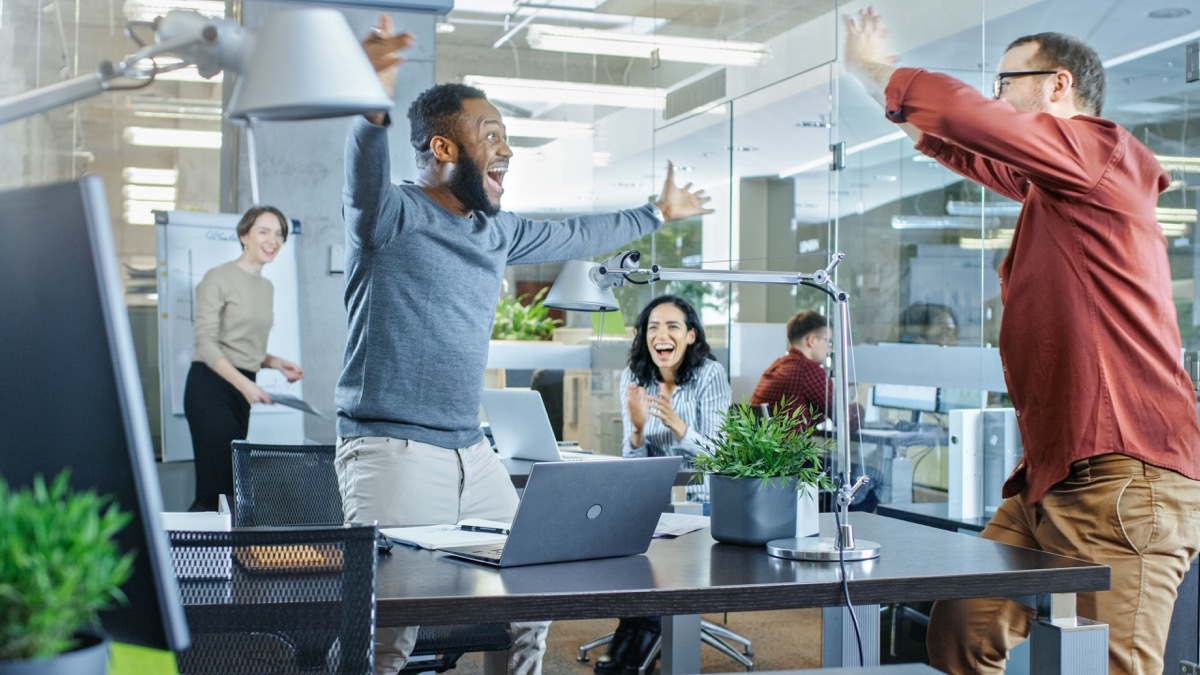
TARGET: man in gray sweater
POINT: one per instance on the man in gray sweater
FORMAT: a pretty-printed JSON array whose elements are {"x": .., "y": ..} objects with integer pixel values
[{"x": 424, "y": 266}]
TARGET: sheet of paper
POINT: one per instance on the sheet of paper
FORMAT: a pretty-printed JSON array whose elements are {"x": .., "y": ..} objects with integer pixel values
[
  {"x": 440, "y": 536},
  {"x": 675, "y": 524},
  {"x": 294, "y": 402}
]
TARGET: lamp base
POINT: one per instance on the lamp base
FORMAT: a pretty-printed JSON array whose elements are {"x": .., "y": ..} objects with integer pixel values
[{"x": 823, "y": 549}]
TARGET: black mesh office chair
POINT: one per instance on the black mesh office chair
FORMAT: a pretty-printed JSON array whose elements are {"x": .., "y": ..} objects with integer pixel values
[
  {"x": 711, "y": 634},
  {"x": 278, "y": 601},
  {"x": 297, "y": 485}
]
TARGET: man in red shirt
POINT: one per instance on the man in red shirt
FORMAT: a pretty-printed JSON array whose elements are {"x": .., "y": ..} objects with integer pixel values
[
  {"x": 1088, "y": 340},
  {"x": 797, "y": 376}
]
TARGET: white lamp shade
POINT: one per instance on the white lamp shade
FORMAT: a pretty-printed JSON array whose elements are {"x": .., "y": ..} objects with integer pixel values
[
  {"x": 575, "y": 289},
  {"x": 306, "y": 64}
]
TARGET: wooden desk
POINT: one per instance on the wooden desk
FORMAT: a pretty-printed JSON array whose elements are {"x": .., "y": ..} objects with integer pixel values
[{"x": 684, "y": 577}]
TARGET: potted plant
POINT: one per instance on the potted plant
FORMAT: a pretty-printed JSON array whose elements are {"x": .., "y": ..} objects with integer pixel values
[
  {"x": 59, "y": 566},
  {"x": 755, "y": 466},
  {"x": 516, "y": 320}
]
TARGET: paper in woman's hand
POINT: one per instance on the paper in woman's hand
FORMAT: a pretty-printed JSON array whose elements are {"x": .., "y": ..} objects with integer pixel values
[{"x": 294, "y": 402}]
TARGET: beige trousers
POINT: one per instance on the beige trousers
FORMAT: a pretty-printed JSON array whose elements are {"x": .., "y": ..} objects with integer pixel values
[
  {"x": 404, "y": 483},
  {"x": 1140, "y": 520}
]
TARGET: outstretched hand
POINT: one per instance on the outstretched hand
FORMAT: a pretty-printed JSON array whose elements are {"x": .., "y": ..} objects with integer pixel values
[
  {"x": 381, "y": 47},
  {"x": 867, "y": 41},
  {"x": 680, "y": 202}
]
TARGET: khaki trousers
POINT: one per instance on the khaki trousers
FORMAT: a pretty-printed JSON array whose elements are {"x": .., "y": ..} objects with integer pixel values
[
  {"x": 1138, "y": 519},
  {"x": 403, "y": 483}
]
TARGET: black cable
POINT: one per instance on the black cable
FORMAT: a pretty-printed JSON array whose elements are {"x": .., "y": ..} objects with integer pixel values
[{"x": 846, "y": 584}]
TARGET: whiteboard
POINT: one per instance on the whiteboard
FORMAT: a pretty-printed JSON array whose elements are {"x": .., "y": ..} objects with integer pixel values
[{"x": 189, "y": 244}]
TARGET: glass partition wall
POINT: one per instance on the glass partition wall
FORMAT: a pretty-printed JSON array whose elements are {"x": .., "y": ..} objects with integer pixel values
[{"x": 749, "y": 113}]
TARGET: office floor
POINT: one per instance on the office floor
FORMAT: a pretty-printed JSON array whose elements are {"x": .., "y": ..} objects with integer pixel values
[{"x": 783, "y": 640}]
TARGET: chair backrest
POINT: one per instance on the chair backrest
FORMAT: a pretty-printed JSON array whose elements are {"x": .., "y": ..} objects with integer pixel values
[
  {"x": 278, "y": 600},
  {"x": 285, "y": 485}
]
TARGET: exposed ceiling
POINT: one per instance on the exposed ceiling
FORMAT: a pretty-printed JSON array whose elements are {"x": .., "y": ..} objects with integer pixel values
[{"x": 776, "y": 118}]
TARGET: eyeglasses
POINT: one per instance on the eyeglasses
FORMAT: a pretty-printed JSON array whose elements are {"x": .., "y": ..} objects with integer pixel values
[{"x": 998, "y": 82}]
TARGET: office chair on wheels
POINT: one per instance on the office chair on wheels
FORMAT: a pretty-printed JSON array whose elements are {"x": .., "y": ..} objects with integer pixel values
[
  {"x": 711, "y": 634},
  {"x": 297, "y": 485},
  {"x": 278, "y": 601}
]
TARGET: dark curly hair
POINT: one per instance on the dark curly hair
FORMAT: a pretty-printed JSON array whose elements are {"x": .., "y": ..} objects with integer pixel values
[
  {"x": 641, "y": 363},
  {"x": 436, "y": 113}
]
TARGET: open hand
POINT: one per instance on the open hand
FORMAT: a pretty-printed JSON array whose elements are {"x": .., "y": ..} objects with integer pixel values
[
  {"x": 381, "y": 47},
  {"x": 680, "y": 202},
  {"x": 867, "y": 41},
  {"x": 290, "y": 370},
  {"x": 660, "y": 407},
  {"x": 638, "y": 406}
]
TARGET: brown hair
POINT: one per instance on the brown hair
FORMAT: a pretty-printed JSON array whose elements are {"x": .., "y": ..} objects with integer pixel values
[
  {"x": 804, "y": 323},
  {"x": 1058, "y": 50},
  {"x": 247, "y": 221}
]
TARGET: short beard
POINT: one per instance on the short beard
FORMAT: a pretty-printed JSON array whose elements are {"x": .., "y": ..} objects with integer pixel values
[{"x": 466, "y": 183}]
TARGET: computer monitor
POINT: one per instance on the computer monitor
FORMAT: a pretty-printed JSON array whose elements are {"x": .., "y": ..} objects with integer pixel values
[
  {"x": 916, "y": 398},
  {"x": 69, "y": 389}
]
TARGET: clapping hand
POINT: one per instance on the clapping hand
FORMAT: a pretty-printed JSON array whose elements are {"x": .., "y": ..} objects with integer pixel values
[{"x": 660, "y": 407}]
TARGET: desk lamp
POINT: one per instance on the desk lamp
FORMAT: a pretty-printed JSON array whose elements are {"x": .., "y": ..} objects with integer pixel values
[
  {"x": 300, "y": 65},
  {"x": 587, "y": 286}
]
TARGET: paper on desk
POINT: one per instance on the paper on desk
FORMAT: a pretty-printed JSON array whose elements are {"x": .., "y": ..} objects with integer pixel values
[
  {"x": 675, "y": 524},
  {"x": 293, "y": 402},
  {"x": 440, "y": 536}
]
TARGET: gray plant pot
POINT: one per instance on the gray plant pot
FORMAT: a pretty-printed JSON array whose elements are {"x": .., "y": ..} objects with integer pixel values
[
  {"x": 90, "y": 658},
  {"x": 751, "y": 511}
]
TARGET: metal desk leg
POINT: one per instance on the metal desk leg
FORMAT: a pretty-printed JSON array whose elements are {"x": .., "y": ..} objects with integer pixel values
[
  {"x": 1063, "y": 643},
  {"x": 839, "y": 646},
  {"x": 681, "y": 644}
]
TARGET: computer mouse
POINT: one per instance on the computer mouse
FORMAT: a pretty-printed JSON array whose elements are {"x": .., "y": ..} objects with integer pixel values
[{"x": 904, "y": 425}]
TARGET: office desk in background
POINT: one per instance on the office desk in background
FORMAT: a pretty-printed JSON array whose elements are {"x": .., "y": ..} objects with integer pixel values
[
  {"x": 1183, "y": 637},
  {"x": 684, "y": 577}
]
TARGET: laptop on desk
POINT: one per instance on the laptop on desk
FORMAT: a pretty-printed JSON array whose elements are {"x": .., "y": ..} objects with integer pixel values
[
  {"x": 521, "y": 427},
  {"x": 583, "y": 511}
]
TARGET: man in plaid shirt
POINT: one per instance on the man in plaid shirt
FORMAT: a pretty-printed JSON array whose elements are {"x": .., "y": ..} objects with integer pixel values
[{"x": 798, "y": 375}]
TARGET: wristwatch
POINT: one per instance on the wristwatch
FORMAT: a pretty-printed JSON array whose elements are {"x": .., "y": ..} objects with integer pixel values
[{"x": 657, "y": 212}]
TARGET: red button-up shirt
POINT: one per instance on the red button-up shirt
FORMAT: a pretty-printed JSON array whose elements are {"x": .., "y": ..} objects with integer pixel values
[
  {"x": 1088, "y": 339},
  {"x": 801, "y": 380}
]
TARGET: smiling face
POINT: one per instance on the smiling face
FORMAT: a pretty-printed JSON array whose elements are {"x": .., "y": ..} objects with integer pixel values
[
  {"x": 668, "y": 336},
  {"x": 262, "y": 241},
  {"x": 477, "y": 178}
]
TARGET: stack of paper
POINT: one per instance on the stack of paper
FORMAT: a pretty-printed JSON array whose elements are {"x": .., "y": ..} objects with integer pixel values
[{"x": 447, "y": 536}]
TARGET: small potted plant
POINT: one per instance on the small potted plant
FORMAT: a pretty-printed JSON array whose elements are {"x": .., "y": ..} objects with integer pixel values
[
  {"x": 523, "y": 318},
  {"x": 755, "y": 465},
  {"x": 59, "y": 566}
]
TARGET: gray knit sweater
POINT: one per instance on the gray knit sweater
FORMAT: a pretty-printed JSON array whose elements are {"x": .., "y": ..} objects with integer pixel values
[{"x": 421, "y": 291}]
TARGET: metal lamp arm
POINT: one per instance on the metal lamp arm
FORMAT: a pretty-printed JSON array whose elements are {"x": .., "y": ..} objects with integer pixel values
[{"x": 79, "y": 88}]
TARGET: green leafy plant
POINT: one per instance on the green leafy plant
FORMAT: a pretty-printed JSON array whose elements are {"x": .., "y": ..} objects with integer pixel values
[
  {"x": 775, "y": 446},
  {"x": 59, "y": 565},
  {"x": 523, "y": 318}
]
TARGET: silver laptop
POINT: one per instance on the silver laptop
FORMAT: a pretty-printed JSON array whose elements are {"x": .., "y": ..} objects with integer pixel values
[
  {"x": 583, "y": 511},
  {"x": 521, "y": 427}
]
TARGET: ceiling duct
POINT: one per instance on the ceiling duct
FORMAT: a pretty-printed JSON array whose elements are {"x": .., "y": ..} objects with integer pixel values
[{"x": 695, "y": 94}]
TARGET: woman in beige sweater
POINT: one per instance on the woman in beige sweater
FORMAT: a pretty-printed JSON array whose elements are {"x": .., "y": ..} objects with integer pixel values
[{"x": 233, "y": 317}]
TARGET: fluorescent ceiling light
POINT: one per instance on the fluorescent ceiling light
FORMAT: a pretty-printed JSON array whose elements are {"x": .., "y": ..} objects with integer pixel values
[
  {"x": 578, "y": 93},
  {"x": 173, "y": 138},
  {"x": 139, "y": 217},
  {"x": 132, "y": 174},
  {"x": 1184, "y": 164},
  {"x": 188, "y": 109},
  {"x": 148, "y": 10},
  {"x": 1170, "y": 215},
  {"x": 523, "y": 127},
  {"x": 852, "y": 150},
  {"x": 158, "y": 193},
  {"x": 996, "y": 207},
  {"x": 1173, "y": 229},
  {"x": 139, "y": 212},
  {"x": 900, "y": 222},
  {"x": 669, "y": 47},
  {"x": 1152, "y": 49}
]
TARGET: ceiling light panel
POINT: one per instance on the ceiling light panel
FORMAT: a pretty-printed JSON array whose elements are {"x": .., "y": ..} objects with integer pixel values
[
  {"x": 173, "y": 138},
  {"x": 140, "y": 176},
  {"x": 148, "y": 10},
  {"x": 521, "y": 127},
  {"x": 669, "y": 47},
  {"x": 578, "y": 93}
]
